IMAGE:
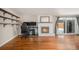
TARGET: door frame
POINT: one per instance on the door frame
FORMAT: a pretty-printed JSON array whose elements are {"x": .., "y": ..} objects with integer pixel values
[{"x": 65, "y": 25}]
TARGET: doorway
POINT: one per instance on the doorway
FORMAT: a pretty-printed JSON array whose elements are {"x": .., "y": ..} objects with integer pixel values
[
  {"x": 65, "y": 25},
  {"x": 60, "y": 27}
]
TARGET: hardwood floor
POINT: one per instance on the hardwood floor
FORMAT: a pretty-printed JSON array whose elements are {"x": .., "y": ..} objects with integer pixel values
[{"x": 43, "y": 43}]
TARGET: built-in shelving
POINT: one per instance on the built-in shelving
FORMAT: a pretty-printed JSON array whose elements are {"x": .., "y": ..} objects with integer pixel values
[
  {"x": 4, "y": 11},
  {"x": 9, "y": 23},
  {"x": 5, "y": 15},
  {"x": 8, "y": 18}
]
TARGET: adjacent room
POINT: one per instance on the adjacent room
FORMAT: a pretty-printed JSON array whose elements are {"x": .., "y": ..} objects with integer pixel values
[{"x": 39, "y": 28}]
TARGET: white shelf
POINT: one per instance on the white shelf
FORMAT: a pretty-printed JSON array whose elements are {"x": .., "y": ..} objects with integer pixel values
[
  {"x": 8, "y": 18},
  {"x": 9, "y": 23}
]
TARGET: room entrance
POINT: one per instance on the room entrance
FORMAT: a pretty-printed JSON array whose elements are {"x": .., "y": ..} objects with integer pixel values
[
  {"x": 65, "y": 26},
  {"x": 60, "y": 27}
]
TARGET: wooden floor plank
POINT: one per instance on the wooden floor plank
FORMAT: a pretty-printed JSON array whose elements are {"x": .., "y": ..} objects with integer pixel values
[{"x": 43, "y": 43}]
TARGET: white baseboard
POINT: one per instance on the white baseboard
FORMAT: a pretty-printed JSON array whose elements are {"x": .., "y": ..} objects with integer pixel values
[
  {"x": 7, "y": 41},
  {"x": 46, "y": 34}
]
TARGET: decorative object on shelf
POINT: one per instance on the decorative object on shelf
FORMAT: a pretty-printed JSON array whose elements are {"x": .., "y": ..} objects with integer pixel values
[{"x": 45, "y": 19}]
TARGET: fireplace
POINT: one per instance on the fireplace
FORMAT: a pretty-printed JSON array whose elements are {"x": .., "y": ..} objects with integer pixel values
[
  {"x": 45, "y": 26},
  {"x": 45, "y": 29}
]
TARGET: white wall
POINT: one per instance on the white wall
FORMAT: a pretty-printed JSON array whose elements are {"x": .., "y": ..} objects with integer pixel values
[
  {"x": 7, "y": 32},
  {"x": 29, "y": 18}
]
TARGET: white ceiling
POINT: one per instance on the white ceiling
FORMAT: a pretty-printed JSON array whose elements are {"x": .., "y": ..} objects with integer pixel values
[{"x": 45, "y": 11}]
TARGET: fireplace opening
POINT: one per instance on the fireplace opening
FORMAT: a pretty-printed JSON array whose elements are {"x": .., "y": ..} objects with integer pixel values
[{"x": 45, "y": 29}]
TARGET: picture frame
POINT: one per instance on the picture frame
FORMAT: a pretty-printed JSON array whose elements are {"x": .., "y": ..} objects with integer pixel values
[{"x": 44, "y": 19}]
